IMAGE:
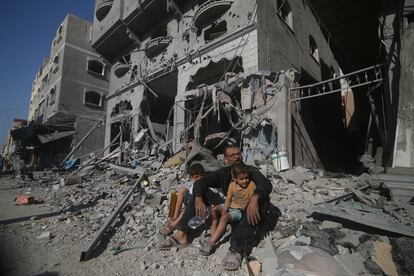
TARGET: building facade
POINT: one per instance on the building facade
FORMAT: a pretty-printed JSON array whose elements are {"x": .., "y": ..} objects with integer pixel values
[
  {"x": 68, "y": 95},
  {"x": 168, "y": 55}
]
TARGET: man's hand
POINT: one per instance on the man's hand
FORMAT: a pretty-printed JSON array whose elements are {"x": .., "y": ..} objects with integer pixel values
[
  {"x": 200, "y": 207},
  {"x": 252, "y": 211}
]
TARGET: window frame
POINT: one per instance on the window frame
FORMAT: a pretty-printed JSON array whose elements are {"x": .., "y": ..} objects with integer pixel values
[
  {"x": 103, "y": 71},
  {"x": 52, "y": 99},
  {"x": 313, "y": 49},
  {"x": 288, "y": 19},
  {"x": 92, "y": 104}
]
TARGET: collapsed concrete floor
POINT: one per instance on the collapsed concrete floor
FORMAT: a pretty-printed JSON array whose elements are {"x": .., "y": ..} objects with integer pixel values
[{"x": 305, "y": 241}]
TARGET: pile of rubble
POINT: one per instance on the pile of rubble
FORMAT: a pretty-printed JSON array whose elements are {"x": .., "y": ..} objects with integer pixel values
[{"x": 329, "y": 224}]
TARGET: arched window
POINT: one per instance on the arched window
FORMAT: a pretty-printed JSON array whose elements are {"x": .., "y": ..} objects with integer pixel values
[
  {"x": 93, "y": 98},
  {"x": 96, "y": 67},
  {"x": 285, "y": 12},
  {"x": 313, "y": 48}
]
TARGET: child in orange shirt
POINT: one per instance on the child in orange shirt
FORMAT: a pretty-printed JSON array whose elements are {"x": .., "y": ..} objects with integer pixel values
[{"x": 239, "y": 193}]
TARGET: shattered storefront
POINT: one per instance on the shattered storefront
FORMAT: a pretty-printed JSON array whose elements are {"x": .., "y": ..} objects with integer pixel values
[{"x": 43, "y": 145}]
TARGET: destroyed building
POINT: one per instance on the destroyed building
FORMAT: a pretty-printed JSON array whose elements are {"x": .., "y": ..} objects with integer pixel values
[
  {"x": 67, "y": 98},
  {"x": 236, "y": 70},
  {"x": 223, "y": 66},
  {"x": 327, "y": 85}
]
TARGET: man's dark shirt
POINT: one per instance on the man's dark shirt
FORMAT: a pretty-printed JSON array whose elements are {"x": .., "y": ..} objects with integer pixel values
[{"x": 221, "y": 178}]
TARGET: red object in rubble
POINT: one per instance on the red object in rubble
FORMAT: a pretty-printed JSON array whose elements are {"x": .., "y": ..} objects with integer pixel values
[{"x": 22, "y": 200}]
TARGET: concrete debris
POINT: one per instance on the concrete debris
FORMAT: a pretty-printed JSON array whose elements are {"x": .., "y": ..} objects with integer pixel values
[
  {"x": 306, "y": 260},
  {"x": 324, "y": 220},
  {"x": 44, "y": 236}
]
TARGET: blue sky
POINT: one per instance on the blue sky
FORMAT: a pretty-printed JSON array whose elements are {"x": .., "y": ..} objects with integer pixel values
[{"x": 26, "y": 31}]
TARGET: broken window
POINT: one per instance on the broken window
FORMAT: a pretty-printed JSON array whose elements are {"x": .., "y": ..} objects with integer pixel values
[
  {"x": 313, "y": 48},
  {"x": 285, "y": 12},
  {"x": 121, "y": 107},
  {"x": 216, "y": 30},
  {"x": 96, "y": 67},
  {"x": 93, "y": 98}
]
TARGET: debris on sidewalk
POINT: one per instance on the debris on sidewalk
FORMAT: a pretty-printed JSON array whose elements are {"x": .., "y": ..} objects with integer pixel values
[
  {"x": 24, "y": 200},
  {"x": 344, "y": 224}
]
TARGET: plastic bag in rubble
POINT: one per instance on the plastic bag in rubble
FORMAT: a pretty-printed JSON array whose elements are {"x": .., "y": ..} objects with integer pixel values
[{"x": 307, "y": 261}]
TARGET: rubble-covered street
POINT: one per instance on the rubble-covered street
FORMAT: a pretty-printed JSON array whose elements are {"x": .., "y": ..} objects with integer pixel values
[
  {"x": 52, "y": 245},
  {"x": 207, "y": 137}
]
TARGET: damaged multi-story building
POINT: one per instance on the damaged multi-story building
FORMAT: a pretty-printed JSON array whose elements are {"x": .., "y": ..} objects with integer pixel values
[
  {"x": 67, "y": 103},
  {"x": 207, "y": 70},
  {"x": 261, "y": 74}
]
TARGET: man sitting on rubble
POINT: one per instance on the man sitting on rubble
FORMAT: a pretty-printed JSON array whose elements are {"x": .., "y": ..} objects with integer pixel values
[{"x": 242, "y": 237}]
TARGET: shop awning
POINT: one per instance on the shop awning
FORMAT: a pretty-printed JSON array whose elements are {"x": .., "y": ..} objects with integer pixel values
[
  {"x": 29, "y": 135},
  {"x": 49, "y": 137}
]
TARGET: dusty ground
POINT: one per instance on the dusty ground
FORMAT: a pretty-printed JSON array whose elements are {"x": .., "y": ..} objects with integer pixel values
[
  {"x": 86, "y": 204},
  {"x": 23, "y": 254}
]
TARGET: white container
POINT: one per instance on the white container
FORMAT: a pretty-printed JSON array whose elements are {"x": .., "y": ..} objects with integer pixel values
[{"x": 280, "y": 161}]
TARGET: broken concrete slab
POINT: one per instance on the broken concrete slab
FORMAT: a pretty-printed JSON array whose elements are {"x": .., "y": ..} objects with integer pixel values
[
  {"x": 374, "y": 221},
  {"x": 352, "y": 264}
]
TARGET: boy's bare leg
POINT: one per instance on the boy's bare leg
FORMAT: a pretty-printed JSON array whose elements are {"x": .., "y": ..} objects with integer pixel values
[
  {"x": 221, "y": 229},
  {"x": 175, "y": 222},
  {"x": 215, "y": 218},
  {"x": 180, "y": 199}
]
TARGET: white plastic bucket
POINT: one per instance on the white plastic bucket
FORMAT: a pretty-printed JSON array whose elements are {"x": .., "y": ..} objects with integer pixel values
[{"x": 280, "y": 161}]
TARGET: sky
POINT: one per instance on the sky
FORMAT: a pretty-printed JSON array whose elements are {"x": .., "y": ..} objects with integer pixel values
[{"x": 27, "y": 29}]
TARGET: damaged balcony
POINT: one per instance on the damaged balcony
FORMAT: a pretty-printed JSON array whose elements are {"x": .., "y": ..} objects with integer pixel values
[
  {"x": 157, "y": 45},
  {"x": 141, "y": 16},
  {"x": 102, "y": 8},
  {"x": 110, "y": 36},
  {"x": 210, "y": 12},
  {"x": 121, "y": 68}
]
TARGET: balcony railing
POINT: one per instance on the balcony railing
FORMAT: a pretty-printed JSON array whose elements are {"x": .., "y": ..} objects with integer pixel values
[
  {"x": 210, "y": 11},
  {"x": 102, "y": 8},
  {"x": 156, "y": 45},
  {"x": 120, "y": 69}
]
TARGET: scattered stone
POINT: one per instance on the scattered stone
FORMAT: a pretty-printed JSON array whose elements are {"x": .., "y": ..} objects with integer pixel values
[
  {"x": 342, "y": 250},
  {"x": 44, "y": 236},
  {"x": 327, "y": 224}
]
